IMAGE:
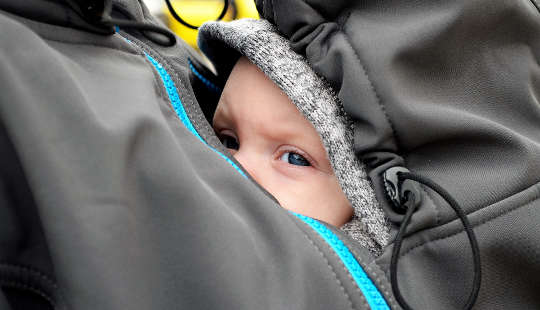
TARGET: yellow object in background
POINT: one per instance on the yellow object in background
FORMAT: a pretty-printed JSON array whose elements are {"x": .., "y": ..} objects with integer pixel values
[{"x": 196, "y": 12}]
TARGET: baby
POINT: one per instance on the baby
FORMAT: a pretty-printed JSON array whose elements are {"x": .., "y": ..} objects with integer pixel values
[
  {"x": 279, "y": 148},
  {"x": 286, "y": 127}
]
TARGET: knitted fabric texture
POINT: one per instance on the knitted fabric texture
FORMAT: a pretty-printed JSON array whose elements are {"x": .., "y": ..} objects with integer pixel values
[{"x": 260, "y": 42}]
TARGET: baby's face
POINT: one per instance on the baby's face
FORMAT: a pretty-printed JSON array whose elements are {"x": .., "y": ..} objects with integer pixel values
[{"x": 279, "y": 148}]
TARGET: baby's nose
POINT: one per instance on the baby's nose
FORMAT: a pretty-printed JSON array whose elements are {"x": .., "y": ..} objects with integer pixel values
[{"x": 249, "y": 162}]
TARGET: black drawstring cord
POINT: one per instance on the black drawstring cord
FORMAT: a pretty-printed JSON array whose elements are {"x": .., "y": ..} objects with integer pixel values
[
  {"x": 183, "y": 22},
  {"x": 169, "y": 39},
  {"x": 98, "y": 13},
  {"x": 411, "y": 206}
]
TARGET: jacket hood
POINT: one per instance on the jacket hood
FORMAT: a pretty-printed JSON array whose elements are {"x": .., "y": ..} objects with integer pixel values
[
  {"x": 258, "y": 40},
  {"x": 55, "y": 12},
  {"x": 78, "y": 14}
]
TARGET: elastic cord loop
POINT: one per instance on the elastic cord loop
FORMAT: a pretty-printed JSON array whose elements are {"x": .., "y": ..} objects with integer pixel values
[
  {"x": 183, "y": 22},
  {"x": 411, "y": 206}
]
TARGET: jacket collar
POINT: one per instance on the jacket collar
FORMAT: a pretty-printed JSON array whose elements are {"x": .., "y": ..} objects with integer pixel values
[{"x": 79, "y": 14}]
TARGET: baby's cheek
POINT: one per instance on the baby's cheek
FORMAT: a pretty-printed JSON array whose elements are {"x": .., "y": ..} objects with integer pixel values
[
  {"x": 333, "y": 204},
  {"x": 346, "y": 210},
  {"x": 319, "y": 197},
  {"x": 294, "y": 195}
]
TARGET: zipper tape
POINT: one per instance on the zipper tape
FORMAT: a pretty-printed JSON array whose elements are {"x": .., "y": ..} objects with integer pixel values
[{"x": 373, "y": 297}]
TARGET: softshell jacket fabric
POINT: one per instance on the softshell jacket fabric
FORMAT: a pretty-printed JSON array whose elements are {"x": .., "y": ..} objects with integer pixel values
[
  {"x": 449, "y": 90},
  {"x": 116, "y": 194}
]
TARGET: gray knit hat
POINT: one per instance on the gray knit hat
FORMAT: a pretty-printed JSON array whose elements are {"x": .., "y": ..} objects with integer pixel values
[{"x": 258, "y": 40}]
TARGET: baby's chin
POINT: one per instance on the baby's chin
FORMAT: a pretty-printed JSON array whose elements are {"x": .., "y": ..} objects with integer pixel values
[{"x": 337, "y": 217}]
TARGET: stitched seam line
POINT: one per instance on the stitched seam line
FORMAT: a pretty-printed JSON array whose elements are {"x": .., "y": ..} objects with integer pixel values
[
  {"x": 56, "y": 301},
  {"x": 437, "y": 208},
  {"x": 371, "y": 85},
  {"x": 32, "y": 271},
  {"x": 174, "y": 74},
  {"x": 358, "y": 290},
  {"x": 26, "y": 287},
  {"x": 179, "y": 109},
  {"x": 473, "y": 226},
  {"x": 481, "y": 208},
  {"x": 159, "y": 81},
  {"x": 536, "y": 4},
  {"x": 327, "y": 263},
  {"x": 363, "y": 280},
  {"x": 378, "y": 279}
]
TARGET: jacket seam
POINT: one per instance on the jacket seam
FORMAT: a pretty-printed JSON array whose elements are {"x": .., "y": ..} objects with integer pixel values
[
  {"x": 176, "y": 79},
  {"x": 325, "y": 260},
  {"x": 376, "y": 277},
  {"x": 44, "y": 38},
  {"x": 189, "y": 100},
  {"x": 161, "y": 88},
  {"x": 436, "y": 206},
  {"x": 184, "y": 117},
  {"x": 536, "y": 4},
  {"x": 29, "y": 288},
  {"x": 156, "y": 77},
  {"x": 358, "y": 290},
  {"x": 371, "y": 84},
  {"x": 165, "y": 63},
  {"x": 481, "y": 223},
  {"x": 440, "y": 222},
  {"x": 56, "y": 300},
  {"x": 32, "y": 271}
]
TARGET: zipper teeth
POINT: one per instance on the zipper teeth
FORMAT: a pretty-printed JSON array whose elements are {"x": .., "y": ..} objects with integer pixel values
[
  {"x": 373, "y": 297},
  {"x": 177, "y": 105},
  {"x": 201, "y": 77},
  {"x": 181, "y": 112},
  {"x": 174, "y": 98},
  {"x": 371, "y": 293}
]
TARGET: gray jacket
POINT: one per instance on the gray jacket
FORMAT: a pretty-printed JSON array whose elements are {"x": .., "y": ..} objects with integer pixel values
[
  {"x": 451, "y": 91},
  {"x": 116, "y": 194}
]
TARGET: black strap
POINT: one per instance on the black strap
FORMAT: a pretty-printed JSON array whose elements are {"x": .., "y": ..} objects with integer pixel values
[
  {"x": 183, "y": 22},
  {"x": 411, "y": 206},
  {"x": 98, "y": 13},
  {"x": 146, "y": 28}
]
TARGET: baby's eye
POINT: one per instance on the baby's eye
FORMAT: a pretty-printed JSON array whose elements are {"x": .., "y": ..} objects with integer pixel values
[
  {"x": 294, "y": 159},
  {"x": 229, "y": 142}
]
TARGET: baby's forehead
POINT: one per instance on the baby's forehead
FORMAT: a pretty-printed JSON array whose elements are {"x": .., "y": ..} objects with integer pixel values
[
  {"x": 249, "y": 89},
  {"x": 251, "y": 97}
]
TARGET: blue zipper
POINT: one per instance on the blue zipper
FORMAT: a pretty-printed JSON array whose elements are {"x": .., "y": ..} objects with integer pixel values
[
  {"x": 201, "y": 77},
  {"x": 371, "y": 293},
  {"x": 373, "y": 297},
  {"x": 174, "y": 98}
]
